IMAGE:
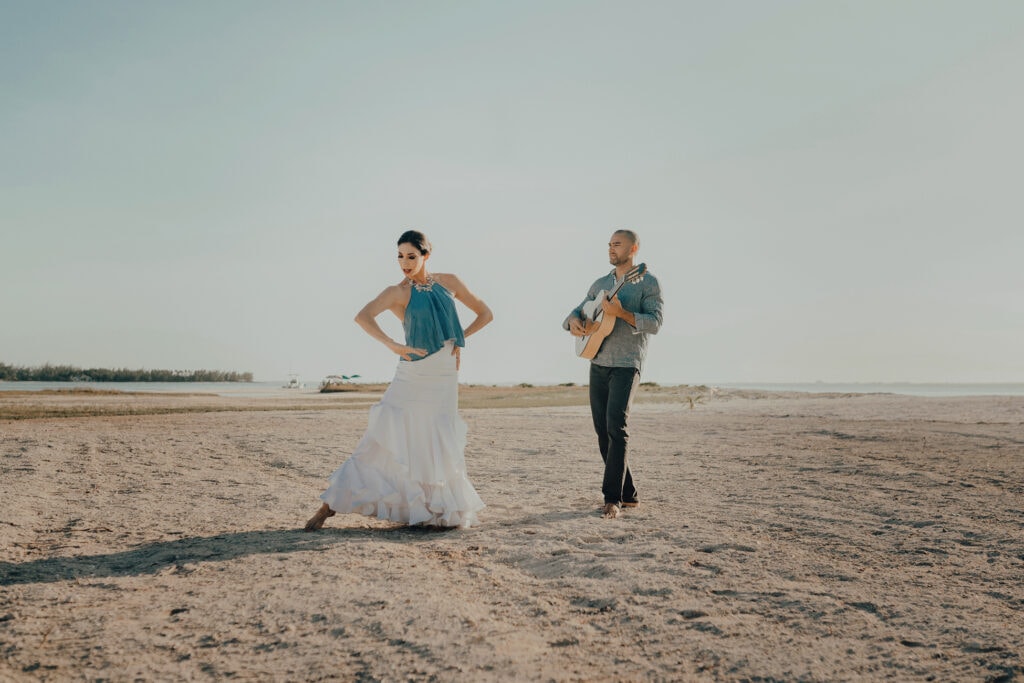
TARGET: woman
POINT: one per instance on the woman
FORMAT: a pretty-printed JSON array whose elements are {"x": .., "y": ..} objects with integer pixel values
[{"x": 410, "y": 465}]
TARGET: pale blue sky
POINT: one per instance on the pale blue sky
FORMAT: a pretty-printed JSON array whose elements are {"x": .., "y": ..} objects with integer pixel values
[{"x": 826, "y": 190}]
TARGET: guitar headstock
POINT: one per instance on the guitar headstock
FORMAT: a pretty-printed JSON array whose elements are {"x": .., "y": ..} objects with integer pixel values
[{"x": 636, "y": 274}]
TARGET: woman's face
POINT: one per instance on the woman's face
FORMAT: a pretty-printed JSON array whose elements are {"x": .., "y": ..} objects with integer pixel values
[{"x": 411, "y": 261}]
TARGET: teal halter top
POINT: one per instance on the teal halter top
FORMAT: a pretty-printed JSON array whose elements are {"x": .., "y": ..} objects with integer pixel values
[{"x": 431, "y": 319}]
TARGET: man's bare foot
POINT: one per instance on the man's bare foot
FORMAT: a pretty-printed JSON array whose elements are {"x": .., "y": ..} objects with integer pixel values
[
  {"x": 316, "y": 522},
  {"x": 611, "y": 511}
]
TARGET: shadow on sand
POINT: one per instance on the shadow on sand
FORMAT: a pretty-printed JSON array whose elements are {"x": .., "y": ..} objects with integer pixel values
[{"x": 155, "y": 557}]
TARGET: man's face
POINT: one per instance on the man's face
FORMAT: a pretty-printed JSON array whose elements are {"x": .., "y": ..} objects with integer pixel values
[{"x": 620, "y": 249}]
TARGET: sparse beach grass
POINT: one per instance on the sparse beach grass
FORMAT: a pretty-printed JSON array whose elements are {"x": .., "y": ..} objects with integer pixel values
[
  {"x": 70, "y": 403},
  {"x": 87, "y": 402}
]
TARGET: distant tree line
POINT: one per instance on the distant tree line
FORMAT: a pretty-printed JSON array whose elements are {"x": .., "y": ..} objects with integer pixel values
[{"x": 69, "y": 373}]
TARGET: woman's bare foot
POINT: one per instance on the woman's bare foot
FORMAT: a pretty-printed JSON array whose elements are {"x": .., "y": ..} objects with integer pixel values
[
  {"x": 316, "y": 522},
  {"x": 611, "y": 511}
]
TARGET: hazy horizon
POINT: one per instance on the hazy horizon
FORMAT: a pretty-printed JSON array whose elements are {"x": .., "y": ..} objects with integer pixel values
[{"x": 826, "y": 192}]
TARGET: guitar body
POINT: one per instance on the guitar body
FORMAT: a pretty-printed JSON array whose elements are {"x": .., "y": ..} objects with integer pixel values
[
  {"x": 592, "y": 312},
  {"x": 588, "y": 346}
]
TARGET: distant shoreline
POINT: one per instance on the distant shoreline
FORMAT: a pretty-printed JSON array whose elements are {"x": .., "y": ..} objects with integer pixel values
[
  {"x": 78, "y": 380},
  {"x": 71, "y": 373}
]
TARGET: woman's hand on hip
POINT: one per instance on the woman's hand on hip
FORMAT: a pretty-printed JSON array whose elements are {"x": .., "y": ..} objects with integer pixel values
[{"x": 405, "y": 351}]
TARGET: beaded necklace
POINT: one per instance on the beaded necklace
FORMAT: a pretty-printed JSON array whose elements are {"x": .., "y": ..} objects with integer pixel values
[{"x": 423, "y": 286}]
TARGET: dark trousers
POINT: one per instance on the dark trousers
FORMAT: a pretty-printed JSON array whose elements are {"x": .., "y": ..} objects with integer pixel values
[{"x": 611, "y": 395}]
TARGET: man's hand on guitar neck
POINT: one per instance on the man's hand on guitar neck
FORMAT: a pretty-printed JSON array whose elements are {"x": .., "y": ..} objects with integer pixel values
[{"x": 614, "y": 308}]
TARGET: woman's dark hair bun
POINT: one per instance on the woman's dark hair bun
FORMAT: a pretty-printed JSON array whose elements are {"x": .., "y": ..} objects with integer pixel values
[{"x": 416, "y": 239}]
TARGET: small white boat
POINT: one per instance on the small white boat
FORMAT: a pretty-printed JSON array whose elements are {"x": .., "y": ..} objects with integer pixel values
[
  {"x": 293, "y": 383},
  {"x": 333, "y": 383}
]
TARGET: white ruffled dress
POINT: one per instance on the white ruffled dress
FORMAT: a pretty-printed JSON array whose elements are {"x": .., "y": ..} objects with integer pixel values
[{"x": 410, "y": 465}]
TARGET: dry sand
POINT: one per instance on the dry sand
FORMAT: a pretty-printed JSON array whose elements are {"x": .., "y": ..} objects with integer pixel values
[{"x": 780, "y": 537}]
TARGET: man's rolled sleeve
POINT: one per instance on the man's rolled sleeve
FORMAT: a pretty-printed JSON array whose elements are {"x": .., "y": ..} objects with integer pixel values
[{"x": 648, "y": 319}]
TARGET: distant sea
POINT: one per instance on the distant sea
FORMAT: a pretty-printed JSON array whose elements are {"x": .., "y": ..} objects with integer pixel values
[
  {"x": 275, "y": 387},
  {"x": 903, "y": 388}
]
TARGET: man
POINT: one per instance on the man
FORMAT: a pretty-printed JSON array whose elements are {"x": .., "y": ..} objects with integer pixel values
[{"x": 615, "y": 370}]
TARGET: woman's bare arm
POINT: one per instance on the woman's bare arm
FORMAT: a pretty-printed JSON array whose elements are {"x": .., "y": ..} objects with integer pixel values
[
  {"x": 474, "y": 303},
  {"x": 394, "y": 299}
]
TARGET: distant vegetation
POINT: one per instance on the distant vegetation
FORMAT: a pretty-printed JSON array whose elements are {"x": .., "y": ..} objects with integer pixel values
[{"x": 69, "y": 373}]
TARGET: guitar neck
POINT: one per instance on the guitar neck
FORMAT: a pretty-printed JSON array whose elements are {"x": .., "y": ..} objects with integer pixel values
[{"x": 615, "y": 290}]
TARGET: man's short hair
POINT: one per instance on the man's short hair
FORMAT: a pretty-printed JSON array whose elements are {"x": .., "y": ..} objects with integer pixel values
[{"x": 633, "y": 237}]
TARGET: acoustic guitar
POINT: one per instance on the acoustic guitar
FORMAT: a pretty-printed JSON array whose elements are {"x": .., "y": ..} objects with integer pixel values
[{"x": 588, "y": 346}]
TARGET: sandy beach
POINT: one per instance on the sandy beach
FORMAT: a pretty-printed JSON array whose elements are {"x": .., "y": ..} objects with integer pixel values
[{"x": 785, "y": 537}]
